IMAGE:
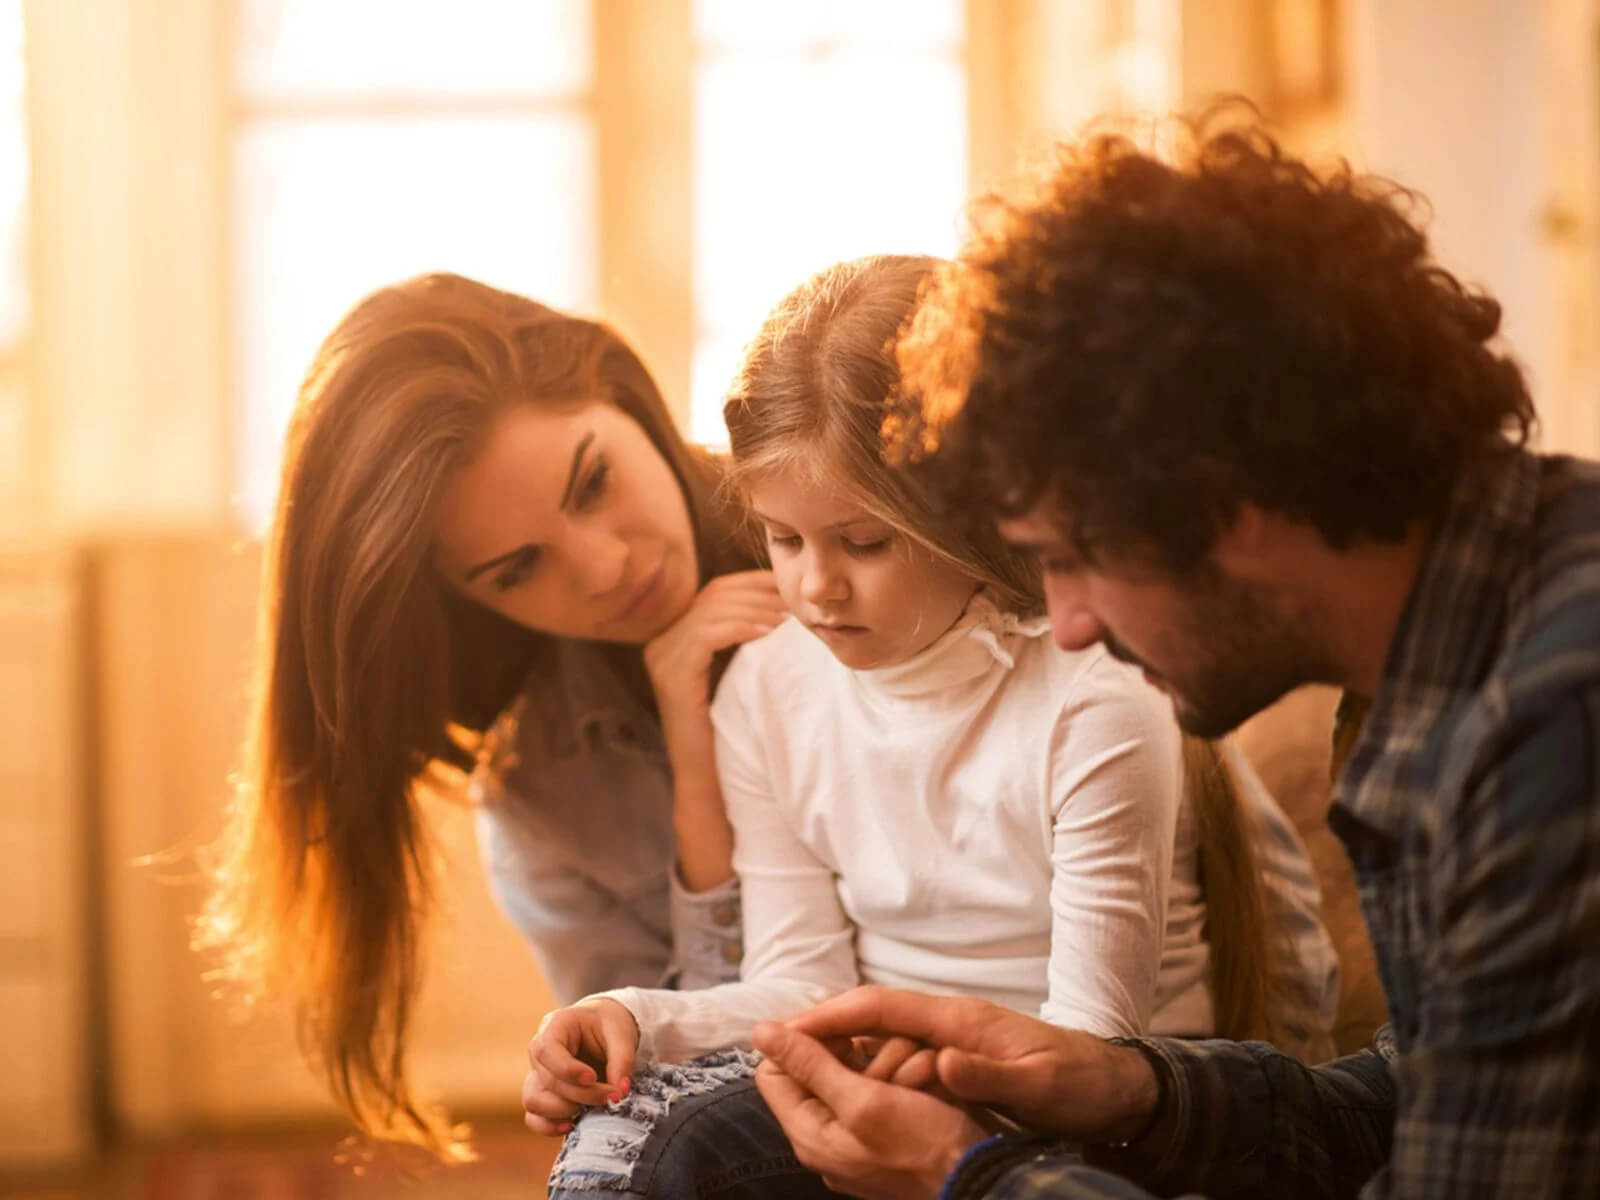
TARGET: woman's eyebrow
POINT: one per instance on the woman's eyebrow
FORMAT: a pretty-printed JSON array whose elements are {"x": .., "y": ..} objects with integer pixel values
[
  {"x": 572, "y": 473},
  {"x": 566, "y": 498}
]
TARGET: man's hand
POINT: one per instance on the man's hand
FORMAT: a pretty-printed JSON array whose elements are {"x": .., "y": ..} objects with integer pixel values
[
  {"x": 1052, "y": 1080},
  {"x": 863, "y": 1136}
]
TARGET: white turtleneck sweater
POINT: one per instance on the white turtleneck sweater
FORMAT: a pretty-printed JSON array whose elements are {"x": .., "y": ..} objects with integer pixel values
[{"x": 994, "y": 817}]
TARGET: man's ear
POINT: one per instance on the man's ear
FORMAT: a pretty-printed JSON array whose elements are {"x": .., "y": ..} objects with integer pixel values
[{"x": 1246, "y": 540}]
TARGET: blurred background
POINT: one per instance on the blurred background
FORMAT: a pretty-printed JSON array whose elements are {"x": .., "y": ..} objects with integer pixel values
[{"x": 193, "y": 191}]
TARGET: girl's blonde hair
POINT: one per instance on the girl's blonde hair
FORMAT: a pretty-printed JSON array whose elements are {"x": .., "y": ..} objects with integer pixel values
[
  {"x": 373, "y": 677},
  {"x": 811, "y": 395}
]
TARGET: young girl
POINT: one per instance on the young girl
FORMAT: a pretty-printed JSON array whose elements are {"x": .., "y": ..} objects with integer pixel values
[
  {"x": 925, "y": 792},
  {"x": 487, "y": 521}
]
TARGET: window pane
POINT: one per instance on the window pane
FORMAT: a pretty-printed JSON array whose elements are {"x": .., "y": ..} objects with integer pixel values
[
  {"x": 308, "y": 48},
  {"x": 328, "y": 210},
  {"x": 801, "y": 163},
  {"x": 14, "y": 300},
  {"x": 767, "y": 25},
  {"x": 716, "y": 358}
]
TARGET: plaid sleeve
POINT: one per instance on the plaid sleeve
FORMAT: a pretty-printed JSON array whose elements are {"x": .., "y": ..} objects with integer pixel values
[
  {"x": 1242, "y": 1119},
  {"x": 1023, "y": 1168},
  {"x": 1245, "y": 1118}
]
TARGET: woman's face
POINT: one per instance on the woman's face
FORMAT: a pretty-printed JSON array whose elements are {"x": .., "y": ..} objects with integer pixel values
[{"x": 570, "y": 522}]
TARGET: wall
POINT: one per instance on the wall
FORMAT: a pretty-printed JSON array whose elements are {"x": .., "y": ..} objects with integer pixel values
[{"x": 177, "y": 616}]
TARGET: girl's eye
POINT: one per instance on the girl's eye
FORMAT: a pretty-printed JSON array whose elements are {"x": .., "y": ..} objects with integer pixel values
[
  {"x": 518, "y": 569},
  {"x": 866, "y": 549},
  {"x": 789, "y": 541},
  {"x": 594, "y": 487}
]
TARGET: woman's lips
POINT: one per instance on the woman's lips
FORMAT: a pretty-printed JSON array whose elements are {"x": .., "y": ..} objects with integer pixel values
[{"x": 643, "y": 600}]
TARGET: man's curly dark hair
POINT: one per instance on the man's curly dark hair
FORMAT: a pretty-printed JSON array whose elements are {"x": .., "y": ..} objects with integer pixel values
[{"x": 1146, "y": 344}]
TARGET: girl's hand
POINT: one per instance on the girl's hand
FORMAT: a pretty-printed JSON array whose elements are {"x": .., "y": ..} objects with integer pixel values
[
  {"x": 563, "y": 1058},
  {"x": 902, "y": 1061},
  {"x": 729, "y": 611}
]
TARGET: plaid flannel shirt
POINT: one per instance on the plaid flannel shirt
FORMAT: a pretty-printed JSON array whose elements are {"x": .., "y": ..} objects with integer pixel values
[{"x": 1469, "y": 804}]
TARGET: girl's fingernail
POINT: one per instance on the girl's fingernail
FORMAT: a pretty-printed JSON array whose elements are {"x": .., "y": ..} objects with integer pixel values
[
  {"x": 586, "y": 1077},
  {"x": 564, "y": 1127}
]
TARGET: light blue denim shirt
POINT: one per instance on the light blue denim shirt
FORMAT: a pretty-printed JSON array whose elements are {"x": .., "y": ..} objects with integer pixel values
[{"x": 574, "y": 794}]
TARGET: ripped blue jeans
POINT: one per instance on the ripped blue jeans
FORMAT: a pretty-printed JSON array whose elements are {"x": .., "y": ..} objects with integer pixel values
[{"x": 685, "y": 1131}]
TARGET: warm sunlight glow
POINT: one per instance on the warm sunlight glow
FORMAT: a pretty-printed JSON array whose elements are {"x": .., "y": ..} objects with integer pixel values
[
  {"x": 822, "y": 131},
  {"x": 13, "y": 179},
  {"x": 378, "y": 140}
]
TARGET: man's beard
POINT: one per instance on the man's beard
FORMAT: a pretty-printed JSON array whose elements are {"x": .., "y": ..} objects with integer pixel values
[{"x": 1242, "y": 650}]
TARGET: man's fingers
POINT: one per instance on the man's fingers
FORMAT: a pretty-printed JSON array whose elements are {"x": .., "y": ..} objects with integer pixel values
[
  {"x": 974, "y": 1077},
  {"x": 938, "y": 1020},
  {"x": 801, "y": 1114},
  {"x": 809, "y": 1064}
]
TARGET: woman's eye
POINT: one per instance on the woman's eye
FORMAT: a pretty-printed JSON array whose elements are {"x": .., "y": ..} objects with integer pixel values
[
  {"x": 517, "y": 570},
  {"x": 594, "y": 487},
  {"x": 866, "y": 549}
]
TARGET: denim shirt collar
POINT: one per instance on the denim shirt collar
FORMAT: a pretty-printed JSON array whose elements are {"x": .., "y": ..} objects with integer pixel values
[{"x": 574, "y": 702}]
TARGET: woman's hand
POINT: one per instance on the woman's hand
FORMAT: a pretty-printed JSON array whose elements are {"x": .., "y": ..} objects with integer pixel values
[
  {"x": 563, "y": 1058},
  {"x": 729, "y": 611}
]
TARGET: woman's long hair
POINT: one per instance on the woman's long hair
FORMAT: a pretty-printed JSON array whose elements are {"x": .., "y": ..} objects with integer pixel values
[
  {"x": 812, "y": 394},
  {"x": 374, "y": 678}
]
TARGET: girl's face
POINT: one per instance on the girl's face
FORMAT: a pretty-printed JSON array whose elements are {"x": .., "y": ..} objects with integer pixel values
[
  {"x": 570, "y": 522},
  {"x": 872, "y": 595}
]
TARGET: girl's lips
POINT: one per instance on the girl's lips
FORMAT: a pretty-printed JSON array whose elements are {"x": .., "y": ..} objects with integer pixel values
[{"x": 842, "y": 631}]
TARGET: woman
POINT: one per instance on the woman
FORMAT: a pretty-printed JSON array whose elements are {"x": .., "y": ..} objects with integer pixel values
[{"x": 486, "y": 520}]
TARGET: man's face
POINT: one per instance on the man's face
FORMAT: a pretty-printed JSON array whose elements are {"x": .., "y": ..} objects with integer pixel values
[{"x": 1220, "y": 646}]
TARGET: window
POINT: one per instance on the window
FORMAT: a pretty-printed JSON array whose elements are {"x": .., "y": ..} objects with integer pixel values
[
  {"x": 822, "y": 131},
  {"x": 373, "y": 140},
  {"x": 16, "y": 467}
]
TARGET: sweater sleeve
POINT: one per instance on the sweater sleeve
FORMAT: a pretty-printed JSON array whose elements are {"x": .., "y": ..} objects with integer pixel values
[
  {"x": 799, "y": 944},
  {"x": 584, "y": 935},
  {"x": 1118, "y": 784}
]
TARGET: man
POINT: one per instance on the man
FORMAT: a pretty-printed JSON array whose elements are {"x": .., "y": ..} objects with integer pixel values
[{"x": 1257, "y": 438}]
